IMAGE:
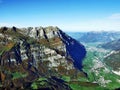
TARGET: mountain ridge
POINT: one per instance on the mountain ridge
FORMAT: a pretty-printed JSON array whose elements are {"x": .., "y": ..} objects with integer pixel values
[
  {"x": 35, "y": 52},
  {"x": 102, "y": 36}
]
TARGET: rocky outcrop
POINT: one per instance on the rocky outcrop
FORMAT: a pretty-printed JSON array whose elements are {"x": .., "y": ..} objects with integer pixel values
[{"x": 40, "y": 52}]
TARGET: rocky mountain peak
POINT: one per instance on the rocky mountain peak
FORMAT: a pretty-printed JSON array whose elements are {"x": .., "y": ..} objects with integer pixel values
[{"x": 39, "y": 51}]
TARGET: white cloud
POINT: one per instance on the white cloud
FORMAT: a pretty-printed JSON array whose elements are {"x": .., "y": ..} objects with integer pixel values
[
  {"x": 115, "y": 16},
  {"x": 107, "y": 24}
]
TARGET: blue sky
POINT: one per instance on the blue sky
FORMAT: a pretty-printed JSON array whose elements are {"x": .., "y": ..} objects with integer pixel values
[{"x": 69, "y": 15}]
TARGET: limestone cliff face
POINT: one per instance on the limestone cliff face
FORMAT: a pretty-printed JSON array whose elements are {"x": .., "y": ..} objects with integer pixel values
[
  {"x": 39, "y": 51},
  {"x": 39, "y": 44}
]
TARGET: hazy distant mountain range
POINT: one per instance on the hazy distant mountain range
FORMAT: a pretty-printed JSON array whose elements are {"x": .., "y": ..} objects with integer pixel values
[
  {"x": 113, "y": 45},
  {"x": 94, "y": 36}
]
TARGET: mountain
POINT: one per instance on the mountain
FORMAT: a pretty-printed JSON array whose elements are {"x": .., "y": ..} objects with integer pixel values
[
  {"x": 113, "y": 60},
  {"x": 46, "y": 58},
  {"x": 102, "y": 36},
  {"x": 39, "y": 57},
  {"x": 113, "y": 45},
  {"x": 75, "y": 35}
]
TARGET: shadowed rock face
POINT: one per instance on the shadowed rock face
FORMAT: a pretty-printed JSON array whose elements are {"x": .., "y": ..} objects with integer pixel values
[
  {"x": 4, "y": 29},
  {"x": 17, "y": 54},
  {"x": 45, "y": 35},
  {"x": 74, "y": 49}
]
